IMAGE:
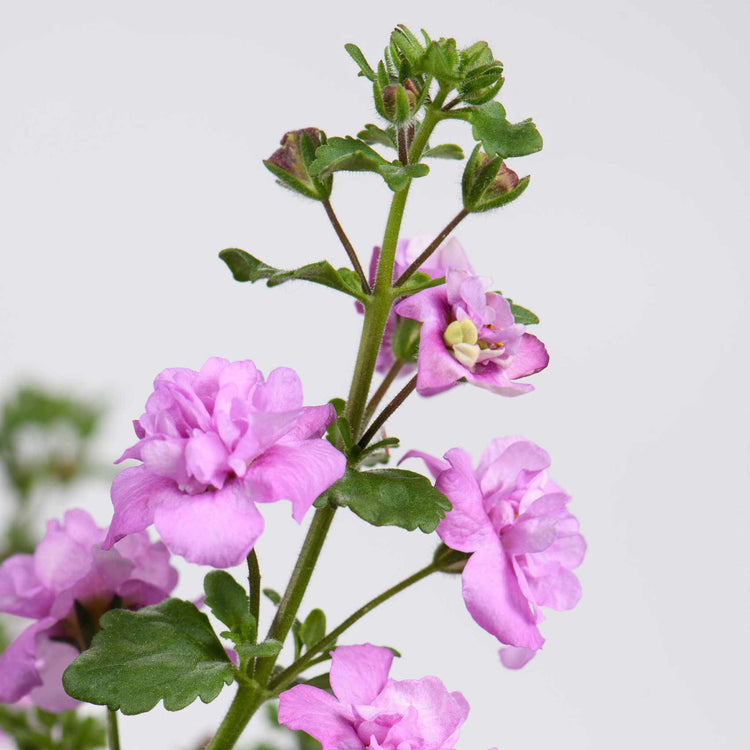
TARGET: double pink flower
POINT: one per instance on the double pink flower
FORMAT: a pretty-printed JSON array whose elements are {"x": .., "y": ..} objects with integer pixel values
[
  {"x": 523, "y": 541},
  {"x": 213, "y": 444},
  {"x": 368, "y": 710},
  {"x": 70, "y": 573}
]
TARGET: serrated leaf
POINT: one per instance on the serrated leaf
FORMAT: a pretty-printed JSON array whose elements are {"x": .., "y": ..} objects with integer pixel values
[
  {"x": 246, "y": 267},
  {"x": 364, "y": 67},
  {"x": 390, "y": 497},
  {"x": 498, "y": 136},
  {"x": 166, "y": 652},
  {"x": 313, "y": 628},
  {"x": 372, "y": 134},
  {"x": 230, "y": 604},
  {"x": 353, "y": 155},
  {"x": 444, "y": 151}
]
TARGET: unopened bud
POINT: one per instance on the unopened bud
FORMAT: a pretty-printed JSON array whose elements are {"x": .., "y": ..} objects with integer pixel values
[
  {"x": 291, "y": 162},
  {"x": 399, "y": 102}
]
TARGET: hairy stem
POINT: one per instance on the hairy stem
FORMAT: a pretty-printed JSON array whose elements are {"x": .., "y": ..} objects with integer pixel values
[
  {"x": 430, "y": 249},
  {"x": 377, "y": 397},
  {"x": 381, "y": 419},
  {"x": 253, "y": 580},
  {"x": 347, "y": 246},
  {"x": 284, "y": 678},
  {"x": 113, "y": 731}
]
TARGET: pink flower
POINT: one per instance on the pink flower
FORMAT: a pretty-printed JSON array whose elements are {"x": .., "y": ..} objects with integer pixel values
[
  {"x": 470, "y": 333},
  {"x": 523, "y": 542},
  {"x": 213, "y": 443},
  {"x": 69, "y": 566},
  {"x": 450, "y": 255},
  {"x": 369, "y": 710}
]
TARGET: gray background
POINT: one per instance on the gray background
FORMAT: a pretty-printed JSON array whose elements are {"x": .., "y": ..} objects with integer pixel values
[{"x": 130, "y": 148}]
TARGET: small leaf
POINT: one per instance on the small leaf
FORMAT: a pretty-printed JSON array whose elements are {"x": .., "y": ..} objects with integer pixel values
[
  {"x": 498, "y": 136},
  {"x": 444, "y": 151},
  {"x": 246, "y": 267},
  {"x": 390, "y": 497},
  {"x": 321, "y": 681},
  {"x": 405, "y": 339},
  {"x": 165, "y": 652},
  {"x": 259, "y": 650},
  {"x": 274, "y": 596},
  {"x": 372, "y": 134},
  {"x": 522, "y": 315},
  {"x": 364, "y": 68},
  {"x": 397, "y": 175},
  {"x": 230, "y": 604},
  {"x": 313, "y": 628},
  {"x": 418, "y": 282}
]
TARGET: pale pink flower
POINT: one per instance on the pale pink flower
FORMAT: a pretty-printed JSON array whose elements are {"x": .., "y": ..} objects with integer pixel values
[
  {"x": 469, "y": 333},
  {"x": 213, "y": 444},
  {"x": 69, "y": 566},
  {"x": 523, "y": 541},
  {"x": 450, "y": 255},
  {"x": 370, "y": 710}
]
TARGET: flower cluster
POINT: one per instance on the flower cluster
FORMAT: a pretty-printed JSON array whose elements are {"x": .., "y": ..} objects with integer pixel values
[
  {"x": 370, "y": 710},
  {"x": 66, "y": 586},
  {"x": 523, "y": 541},
  {"x": 213, "y": 443}
]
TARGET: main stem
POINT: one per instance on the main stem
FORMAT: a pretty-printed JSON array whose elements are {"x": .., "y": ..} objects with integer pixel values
[{"x": 250, "y": 697}]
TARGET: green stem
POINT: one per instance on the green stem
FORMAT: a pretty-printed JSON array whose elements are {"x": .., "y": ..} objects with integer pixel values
[
  {"x": 379, "y": 305},
  {"x": 253, "y": 580},
  {"x": 284, "y": 678},
  {"x": 384, "y": 415},
  {"x": 113, "y": 732},
  {"x": 246, "y": 702},
  {"x": 377, "y": 397},
  {"x": 249, "y": 697},
  {"x": 341, "y": 234}
]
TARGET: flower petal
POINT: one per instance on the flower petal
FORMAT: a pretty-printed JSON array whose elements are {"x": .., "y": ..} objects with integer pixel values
[
  {"x": 211, "y": 528},
  {"x": 53, "y": 658},
  {"x": 531, "y": 357},
  {"x": 359, "y": 673},
  {"x": 513, "y": 657},
  {"x": 466, "y": 527},
  {"x": 21, "y": 591},
  {"x": 320, "y": 715},
  {"x": 494, "y": 598},
  {"x": 136, "y": 493},
  {"x": 296, "y": 471}
]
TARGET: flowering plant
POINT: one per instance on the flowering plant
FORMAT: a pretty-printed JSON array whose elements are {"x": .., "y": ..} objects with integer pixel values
[{"x": 215, "y": 444}]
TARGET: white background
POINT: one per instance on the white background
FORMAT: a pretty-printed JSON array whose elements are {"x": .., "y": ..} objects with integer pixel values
[{"x": 130, "y": 145}]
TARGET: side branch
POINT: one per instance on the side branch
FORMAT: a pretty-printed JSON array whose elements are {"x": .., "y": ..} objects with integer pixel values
[
  {"x": 347, "y": 245},
  {"x": 449, "y": 227},
  {"x": 380, "y": 420}
]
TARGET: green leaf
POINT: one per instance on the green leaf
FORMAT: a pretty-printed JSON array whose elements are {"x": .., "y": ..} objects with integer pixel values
[
  {"x": 270, "y": 647},
  {"x": 372, "y": 134},
  {"x": 352, "y": 155},
  {"x": 246, "y": 267},
  {"x": 441, "y": 61},
  {"x": 418, "y": 282},
  {"x": 313, "y": 628},
  {"x": 230, "y": 604},
  {"x": 522, "y": 315},
  {"x": 166, "y": 652},
  {"x": 389, "y": 497},
  {"x": 498, "y": 136},
  {"x": 487, "y": 204},
  {"x": 321, "y": 681},
  {"x": 444, "y": 151},
  {"x": 273, "y": 595},
  {"x": 364, "y": 67}
]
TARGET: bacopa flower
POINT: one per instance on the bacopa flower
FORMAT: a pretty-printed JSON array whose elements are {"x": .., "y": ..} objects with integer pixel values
[
  {"x": 213, "y": 443},
  {"x": 66, "y": 586},
  {"x": 370, "y": 710},
  {"x": 523, "y": 542},
  {"x": 470, "y": 333},
  {"x": 450, "y": 255}
]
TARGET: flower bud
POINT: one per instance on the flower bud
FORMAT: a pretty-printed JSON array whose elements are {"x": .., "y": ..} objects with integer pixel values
[
  {"x": 399, "y": 102},
  {"x": 291, "y": 163},
  {"x": 489, "y": 183}
]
